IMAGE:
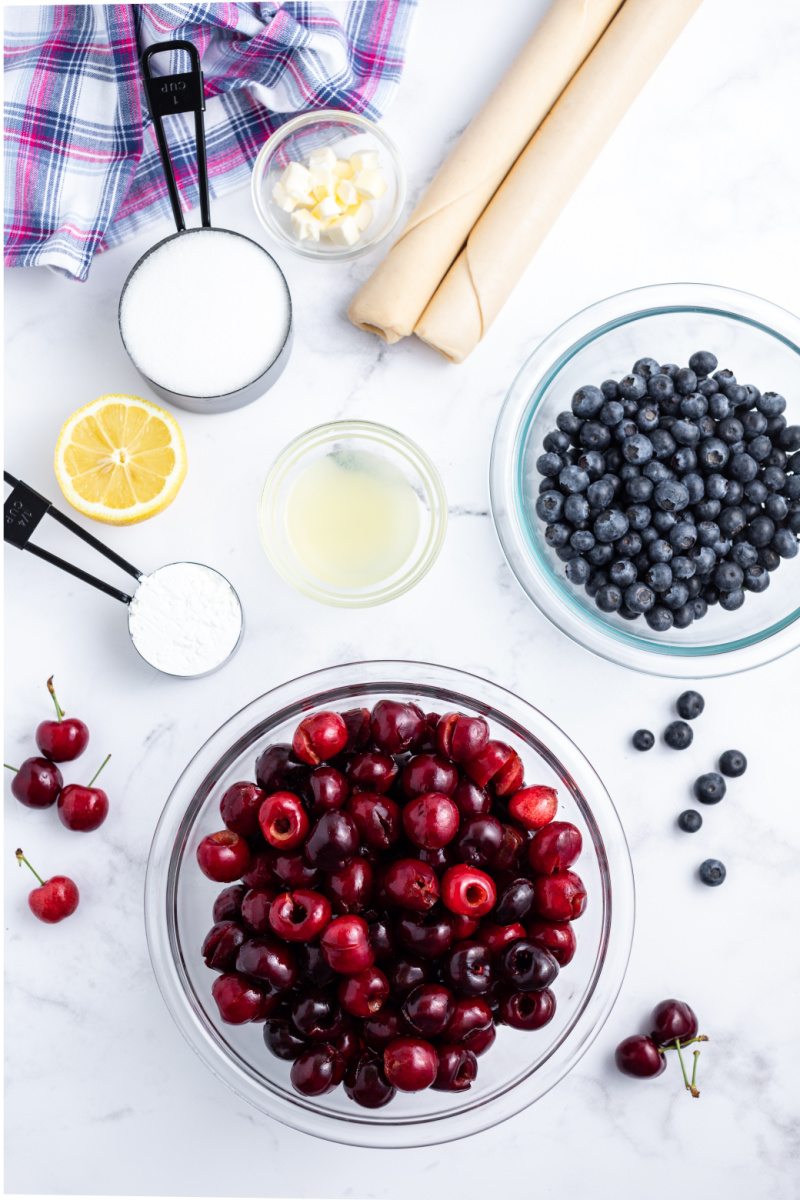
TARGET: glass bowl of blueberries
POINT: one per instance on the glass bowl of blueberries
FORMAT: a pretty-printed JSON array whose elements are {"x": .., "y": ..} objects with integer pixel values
[
  {"x": 650, "y": 506},
  {"x": 256, "y": 982}
]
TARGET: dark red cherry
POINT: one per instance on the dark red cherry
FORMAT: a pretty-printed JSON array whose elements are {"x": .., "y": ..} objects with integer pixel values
[
  {"x": 478, "y": 840},
  {"x": 259, "y": 870},
  {"x": 282, "y": 1039},
  {"x": 239, "y": 808},
  {"x": 534, "y": 806},
  {"x": 277, "y": 770},
  {"x": 255, "y": 906},
  {"x": 60, "y": 740},
  {"x": 350, "y": 889},
  {"x": 464, "y": 927},
  {"x": 428, "y": 934},
  {"x": 382, "y": 939},
  {"x": 428, "y": 1009},
  {"x": 291, "y": 870},
  {"x": 333, "y": 841},
  {"x": 526, "y": 966},
  {"x": 317, "y": 1070},
  {"x": 283, "y": 821},
  {"x": 554, "y": 848},
  {"x": 36, "y": 783},
  {"x": 365, "y": 1082},
  {"x": 404, "y": 973},
  {"x": 459, "y": 737},
  {"x": 485, "y": 765},
  {"x": 510, "y": 777},
  {"x": 472, "y": 801},
  {"x": 228, "y": 904},
  {"x": 496, "y": 937},
  {"x": 371, "y": 771},
  {"x": 467, "y": 968},
  {"x": 514, "y": 902},
  {"x": 639, "y": 1056},
  {"x": 317, "y": 1015},
  {"x": 560, "y": 897},
  {"x": 468, "y": 890},
  {"x": 378, "y": 819},
  {"x": 396, "y": 727},
  {"x": 409, "y": 883},
  {"x": 319, "y": 737},
  {"x": 268, "y": 959},
  {"x": 357, "y": 724},
  {"x": 673, "y": 1020},
  {"x": 364, "y": 994},
  {"x": 223, "y": 856},
  {"x": 240, "y": 1000},
  {"x": 527, "y": 1010},
  {"x": 481, "y": 1040},
  {"x": 313, "y": 965},
  {"x": 458, "y": 1069},
  {"x": 221, "y": 945},
  {"x": 345, "y": 944},
  {"x": 299, "y": 916},
  {"x": 326, "y": 788},
  {"x": 381, "y": 1029},
  {"x": 510, "y": 855},
  {"x": 410, "y": 1064},
  {"x": 426, "y": 773},
  {"x": 471, "y": 1015},
  {"x": 557, "y": 937},
  {"x": 431, "y": 820}
]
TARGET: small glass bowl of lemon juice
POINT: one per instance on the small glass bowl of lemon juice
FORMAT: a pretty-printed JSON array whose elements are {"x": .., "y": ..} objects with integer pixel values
[{"x": 352, "y": 514}]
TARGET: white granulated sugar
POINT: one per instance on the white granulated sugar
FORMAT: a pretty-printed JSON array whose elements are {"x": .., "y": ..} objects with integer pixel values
[
  {"x": 185, "y": 619},
  {"x": 205, "y": 314}
]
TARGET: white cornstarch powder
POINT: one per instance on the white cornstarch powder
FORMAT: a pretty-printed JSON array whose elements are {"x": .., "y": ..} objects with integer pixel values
[
  {"x": 185, "y": 618},
  {"x": 205, "y": 314}
]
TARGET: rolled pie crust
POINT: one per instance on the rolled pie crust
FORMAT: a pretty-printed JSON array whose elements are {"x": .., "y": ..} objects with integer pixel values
[
  {"x": 392, "y": 300},
  {"x": 528, "y": 202}
]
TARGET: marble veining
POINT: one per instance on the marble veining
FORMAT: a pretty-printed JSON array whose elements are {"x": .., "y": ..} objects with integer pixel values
[{"x": 103, "y": 1095}]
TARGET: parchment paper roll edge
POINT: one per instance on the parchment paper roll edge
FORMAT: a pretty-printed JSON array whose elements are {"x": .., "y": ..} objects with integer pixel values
[
  {"x": 547, "y": 173},
  {"x": 392, "y": 299}
]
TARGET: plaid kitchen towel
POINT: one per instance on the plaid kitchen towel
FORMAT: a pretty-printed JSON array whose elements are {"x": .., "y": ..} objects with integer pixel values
[{"x": 82, "y": 170}]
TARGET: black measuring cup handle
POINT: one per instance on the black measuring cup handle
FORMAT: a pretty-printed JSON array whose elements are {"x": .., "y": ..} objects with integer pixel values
[
  {"x": 178, "y": 94},
  {"x": 22, "y": 512}
]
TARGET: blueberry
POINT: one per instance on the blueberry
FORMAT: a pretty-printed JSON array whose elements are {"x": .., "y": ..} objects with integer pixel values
[
  {"x": 695, "y": 485},
  {"x": 622, "y": 573},
  {"x": 728, "y": 576},
  {"x": 646, "y": 367},
  {"x": 778, "y": 458},
  {"x": 703, "y": 362},
  {"x": 707, "y": 533},
  {"x": 743, "y": 467},
  {"x": 755, "y": 491},
  {"x": 756, "y": 578},
  {"x": 566, "y": 553},
  {"x": 676, "y": 596},
  {"x": 709, "y": 788},
  {"x": 659, "y": 618},
  {"x": 663, "y": 444},
  {"x": 611, "y": 413},
  {"x": 793, "y": 518},
  {"x": 643, "y": 739},
  {"x": 610, "y": 525},
  {"x": 630, "y": 545},
  {"x": 660, "y": 386},
  {"x": 592, "y": 462},
  {"x": 704, "y": 560},
  {"x": 694, "y": 586},
  {"x": 785, "y": 543},
  {"x": 683, "y": 568},
  {"x": 771, "y": 403},
  {"x": 712, "y": 454},
  {"x": 557, "y": 535},
  {"x": 710, "y": 593},
  {"x": 594, "y": 435},
  {"x": 725, "y": 377},
  {"x": 582, "y": 540},
  {"x": 568, "y": 423},
  {"x": 670, "y": 369},
  {"x": 712, "y": 872},
  {"x": 609, "y": 598},
  {"x": 600, "y": 554},
  {"x": 682, "y": 617},
  {"x": 640, "y": 489},
  {"x": 730, "y": 601},
  {"x": 683, "y": 535},
  {"x": 683, "y": 460},
  {"x": 774, "y": 479},
  {"x": 577, "y": 570},
  {"x": 596, "y": 580},
  {"x": 719, "y": 405},
  {"x": 760, "y": 448},
  {"x": 734, "y": 493},
  {"x": 730, "y": 430},
  {"x": 792, "y": 489},
  {"x": 689, "y": 705},
  {"x": 627, "y": 614},
  {"x": 738, "y": 395},
  {"x": 753, "y": 423},
  {"x": 660, "y": 551},
  {"x": 685, "y": 433},
  {"x": 633, "y": 387},
  {"x": 744, "y": 554},
  {"x": 717, "y": 486},
  {"x": 638, "y": 516},
  {"x": 671, "y": 496},
  {"x": 587, "y": 401},
  {"x": 659, "y": 577},
  {"x": 678, "y": 735},
  {"x": 576, "y": 509},
  {"x": 600, "y": 493},
  {"x": 572, "y": 479},
  {"x": 690, "y": 821},
  {"x": 550, "y": 506},
  {"x": 708, "y": 510},
  {"x": 610, "y": 389},
  {"x": 732, "y": 763},
  {"x": 789, "y": 438},
  {"x": 775, "y": 427},
  {"x": 556, "y": 441},
  {"x": 700, "y": 608},
  {"x": 694, "y": 407},
  {"x": 768, "y": 558},
  {"x": 639, "y": 598},
  {"x": 732, "y": 521},
  {"x": 760, "y": 531}
]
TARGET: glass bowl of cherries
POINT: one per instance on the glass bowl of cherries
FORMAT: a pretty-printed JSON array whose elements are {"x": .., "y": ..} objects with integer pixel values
[{"x": 389, "y": 904}]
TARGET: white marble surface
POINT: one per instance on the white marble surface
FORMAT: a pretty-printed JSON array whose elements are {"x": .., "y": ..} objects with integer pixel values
[{"x": 103, "y": 1096}]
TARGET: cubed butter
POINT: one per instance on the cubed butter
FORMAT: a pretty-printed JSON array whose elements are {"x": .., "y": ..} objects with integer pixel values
[
  {"x": 305, "y": 225},
  {"x": 342, "y": 169},
  {"x": 346, "y": 194},
  {"x": 363, "y": 215},
  {"x": 367, "y": 160},
  {"x": 343, "y": 231},
  {"x": 322, "y": 156},
  {"x": 324, "y": 177},
  {"x": 281, "y": 197},
  {"x": 370, "y": 184},
  {"x": 297, "y": 181},
  {"x": 327, "y": 209}
]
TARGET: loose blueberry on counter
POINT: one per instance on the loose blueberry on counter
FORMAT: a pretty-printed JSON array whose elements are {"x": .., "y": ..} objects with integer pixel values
[
  {"x": 712, "y": 872},
  {"x": 678, "y": 735},
  {"x": 709, "y": 788},
  {"x": 690, "y": 705},
  {"x": 690, "y": 821},
  {"x": 733, "y": 763}
]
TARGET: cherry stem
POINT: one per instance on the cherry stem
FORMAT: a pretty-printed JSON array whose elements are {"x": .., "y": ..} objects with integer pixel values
[
  {"x": 694, "y": 1072},
  {"x": 689, "y": 1086},
  {"x": 22, "y": 859},
  {"x": 8, "y": 768},
  {"x": 52, "y": 691},
  {"x": 99, "y": 769}
]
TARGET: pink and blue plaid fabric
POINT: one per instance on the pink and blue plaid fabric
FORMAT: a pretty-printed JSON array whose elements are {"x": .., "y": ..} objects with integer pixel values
[{"x": 82, "y": 171}]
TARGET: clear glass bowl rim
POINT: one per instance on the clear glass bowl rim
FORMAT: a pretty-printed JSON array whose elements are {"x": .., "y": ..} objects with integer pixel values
[
  {"x": 330, "y": 431},
  {"x": 518, "y": 414},
  {"x": 317, "y": 116},
  {"x": 275, "y": 707}
]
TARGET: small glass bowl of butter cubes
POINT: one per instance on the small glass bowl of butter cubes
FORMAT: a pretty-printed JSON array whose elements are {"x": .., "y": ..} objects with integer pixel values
[{"x": 329, "y": 185}]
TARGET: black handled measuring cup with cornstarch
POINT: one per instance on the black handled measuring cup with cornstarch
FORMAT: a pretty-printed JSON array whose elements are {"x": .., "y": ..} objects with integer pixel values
[
  {"x": 205, "y": 314},
  {"x": 184, "y": 619}
]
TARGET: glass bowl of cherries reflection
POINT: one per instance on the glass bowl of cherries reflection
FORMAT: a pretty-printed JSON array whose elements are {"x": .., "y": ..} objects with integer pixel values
[{"x": 389, "y": 904}]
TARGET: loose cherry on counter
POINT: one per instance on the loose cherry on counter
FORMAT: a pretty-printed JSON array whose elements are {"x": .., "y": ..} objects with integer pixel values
[
  {"x": 319, "y": 737},
  {"x": 83, "y": 809},
  {"x": 640, "y": 1056},
  {"x": 283, "y": 820},
  {"x": 223, "y": 856},
  {"x": 36, "y": 783},
  {"x": 56, "y": 899},
  {"x": 60, "y": 740},
  {"x": 534, "y": 807}
]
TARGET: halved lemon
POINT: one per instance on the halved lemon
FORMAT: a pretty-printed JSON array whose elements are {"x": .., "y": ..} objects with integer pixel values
[{"x": 120, "y": 459}]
